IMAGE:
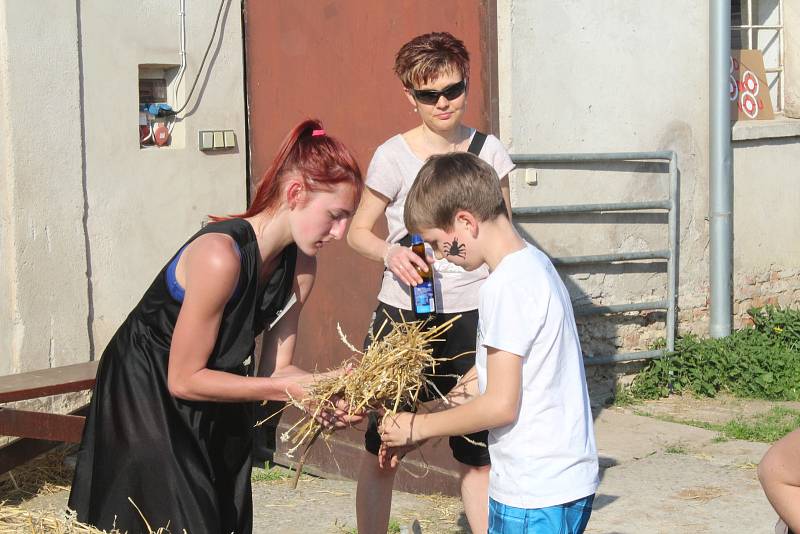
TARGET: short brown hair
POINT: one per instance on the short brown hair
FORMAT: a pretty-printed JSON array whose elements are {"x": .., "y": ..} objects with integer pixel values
[
  {"x": 448, "y": 183},
  {"x": 426, "y": 57}
]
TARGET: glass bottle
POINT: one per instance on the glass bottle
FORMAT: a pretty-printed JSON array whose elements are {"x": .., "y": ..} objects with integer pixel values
[{"x": 423, "y": 299}]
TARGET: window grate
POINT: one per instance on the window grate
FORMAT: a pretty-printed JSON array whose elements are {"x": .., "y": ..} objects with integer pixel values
[{"x": 743, "y": 24}]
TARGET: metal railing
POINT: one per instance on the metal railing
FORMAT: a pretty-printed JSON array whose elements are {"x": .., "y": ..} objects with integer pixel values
[{"x": 670, "y": 205}]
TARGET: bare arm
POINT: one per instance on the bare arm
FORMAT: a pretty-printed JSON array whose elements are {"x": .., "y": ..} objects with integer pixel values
[
  {"x": 278, "y": 344},
  {"x": 779, "y": 473},
  {"x": 361, "y": 236},
  {"x": 211, "y": 270},
  {"x": 363, "y": 240},
  {"x": 465, "y": 390},
  {"x": 498, "y": 406}
]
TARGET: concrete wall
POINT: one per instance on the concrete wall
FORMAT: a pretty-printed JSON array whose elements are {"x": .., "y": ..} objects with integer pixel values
[
  {"x": 69, "y": 100},
  {"x": 144, "y": 203},
  {"x": 791, "y": 17},
  {"x": 609, "y": 77},
  {"x": 583, "y": 76},
  {"x": 43, "y": 256},
  {"x": 766, "y": 224}
]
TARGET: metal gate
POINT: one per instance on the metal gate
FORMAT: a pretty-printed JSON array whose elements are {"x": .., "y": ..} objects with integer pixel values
[{"x": 671, "y": 205}]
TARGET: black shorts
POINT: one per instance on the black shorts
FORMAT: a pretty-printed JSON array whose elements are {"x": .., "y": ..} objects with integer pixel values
[{"x": 459, "y": 339}]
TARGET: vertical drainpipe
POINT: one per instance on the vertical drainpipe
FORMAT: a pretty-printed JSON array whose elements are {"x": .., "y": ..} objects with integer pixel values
[{"x": 720, "y": 175}]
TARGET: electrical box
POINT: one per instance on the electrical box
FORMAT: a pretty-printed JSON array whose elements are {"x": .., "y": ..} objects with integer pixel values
[{"x": 157, "y": 120}]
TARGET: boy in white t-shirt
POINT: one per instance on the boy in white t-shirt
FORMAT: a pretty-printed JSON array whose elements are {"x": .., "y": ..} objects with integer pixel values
[{"x": 531, "y": 389}]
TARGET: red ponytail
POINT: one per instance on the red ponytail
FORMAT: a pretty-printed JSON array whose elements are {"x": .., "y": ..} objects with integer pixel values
[{"x": 321, "y": 160}]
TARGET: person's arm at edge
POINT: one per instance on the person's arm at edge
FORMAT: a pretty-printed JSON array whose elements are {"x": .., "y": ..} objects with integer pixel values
[
  {"x": 779, "y": 474},
  {"x": 497, "y": 406}
]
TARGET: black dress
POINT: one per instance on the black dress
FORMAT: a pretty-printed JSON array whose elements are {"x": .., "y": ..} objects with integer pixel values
[{"x": 182, "y": 462}]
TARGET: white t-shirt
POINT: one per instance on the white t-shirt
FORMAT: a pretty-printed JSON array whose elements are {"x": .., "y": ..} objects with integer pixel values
[
  {"x": 548, "y": 455},
  {"x": 392, "y": 172}
]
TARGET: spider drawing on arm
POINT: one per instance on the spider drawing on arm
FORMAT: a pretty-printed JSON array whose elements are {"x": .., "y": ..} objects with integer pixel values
[{"x": 455, "y": 249}]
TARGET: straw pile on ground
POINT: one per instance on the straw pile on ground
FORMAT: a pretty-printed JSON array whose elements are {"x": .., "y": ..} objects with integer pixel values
[
  {"x": 46, "y": 475},
  {"x": 389, "y": 376},
  {"x": 16, "y": 520}
]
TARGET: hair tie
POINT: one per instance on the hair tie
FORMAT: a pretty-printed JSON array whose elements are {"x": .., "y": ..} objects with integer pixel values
[{"x": 316, "y": 133}]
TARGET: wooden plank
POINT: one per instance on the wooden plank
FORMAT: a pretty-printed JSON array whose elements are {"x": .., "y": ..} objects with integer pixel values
[
  {"x": 39, "y": 425},
  {"x": 46, "y": 382},
  {"x": 23, "y": 451}
]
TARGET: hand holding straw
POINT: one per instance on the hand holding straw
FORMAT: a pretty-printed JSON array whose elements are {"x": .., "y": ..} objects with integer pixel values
[{"x": 389, "y": 376}]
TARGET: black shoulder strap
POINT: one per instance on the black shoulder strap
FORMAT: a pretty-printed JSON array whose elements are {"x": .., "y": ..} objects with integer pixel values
[{"x": 477, "y": 143}]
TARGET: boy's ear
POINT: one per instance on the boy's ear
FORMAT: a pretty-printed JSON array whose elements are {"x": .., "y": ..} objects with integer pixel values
[{"x": 468, "y": 221}]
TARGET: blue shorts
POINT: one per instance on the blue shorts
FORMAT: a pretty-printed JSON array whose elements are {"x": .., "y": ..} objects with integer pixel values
[{"x": 569, "y": 518}]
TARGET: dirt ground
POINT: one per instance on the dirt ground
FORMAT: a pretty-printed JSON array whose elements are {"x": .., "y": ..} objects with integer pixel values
[{"x": 656, "y": 477}]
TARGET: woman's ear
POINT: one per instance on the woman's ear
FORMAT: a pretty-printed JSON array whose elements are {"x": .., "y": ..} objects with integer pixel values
[
  {"x": 410, "y": 97},
  {"x": 295, "y": 193}
]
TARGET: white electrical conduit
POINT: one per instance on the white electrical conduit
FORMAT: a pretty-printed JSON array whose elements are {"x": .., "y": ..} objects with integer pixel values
[{"x": 179, "y": 76}]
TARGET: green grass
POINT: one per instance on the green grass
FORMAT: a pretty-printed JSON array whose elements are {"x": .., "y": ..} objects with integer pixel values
[
  {"x": 766, "y": 427},
  {"x": 676, "y": 448},
  {"x": 394, "y": 528},
  {"x": 269, "y": 473},
  {"x": 623, "y": 397}
]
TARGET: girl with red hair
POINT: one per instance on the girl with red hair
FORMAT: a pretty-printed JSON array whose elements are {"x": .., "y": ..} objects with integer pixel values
[{"x": 171, "y": 418}]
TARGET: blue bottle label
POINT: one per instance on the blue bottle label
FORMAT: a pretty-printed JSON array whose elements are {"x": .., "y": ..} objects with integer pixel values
[{"x": 423, "y": 298}]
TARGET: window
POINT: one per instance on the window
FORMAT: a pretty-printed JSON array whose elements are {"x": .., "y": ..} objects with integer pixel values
[{"x": 758, "y": 25}]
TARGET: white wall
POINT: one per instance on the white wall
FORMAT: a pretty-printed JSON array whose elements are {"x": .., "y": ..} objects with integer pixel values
[
  {"x": 791, "y": 16},
  {"x": 67, "y": 61},
  {"x": 766, "y": 223},
  {"x": 43, "y": 256},
  {"x": 584, "y": 76},
  {"x": 145, "y": 203},
  {"x": 766, "y": 203}
]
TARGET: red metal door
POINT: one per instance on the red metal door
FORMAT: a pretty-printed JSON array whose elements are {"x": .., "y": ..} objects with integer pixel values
[{"x": 333, "y": 60}]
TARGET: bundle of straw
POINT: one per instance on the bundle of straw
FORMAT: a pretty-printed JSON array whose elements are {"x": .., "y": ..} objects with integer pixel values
[{"x": 389, "y": 376}]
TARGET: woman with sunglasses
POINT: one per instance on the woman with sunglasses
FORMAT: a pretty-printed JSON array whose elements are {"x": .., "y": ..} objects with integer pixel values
[
  {"x": 434, "y": 71},
  {"x": 170, "y": 425}
]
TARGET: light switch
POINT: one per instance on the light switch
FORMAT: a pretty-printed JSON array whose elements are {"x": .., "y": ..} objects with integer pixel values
[
  {"x": 230, "y": 139},
  {"x": 206, "y": 140},
  {"x": 219, "y": 139},
  {"x": 531, "y": 176}
]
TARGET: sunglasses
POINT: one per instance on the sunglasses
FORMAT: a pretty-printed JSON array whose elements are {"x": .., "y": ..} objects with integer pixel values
[{"x": 429, "y": 96}]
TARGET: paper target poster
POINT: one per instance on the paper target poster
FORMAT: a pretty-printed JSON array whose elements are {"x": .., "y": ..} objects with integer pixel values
[{"x": 747, "y": 87}]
